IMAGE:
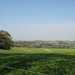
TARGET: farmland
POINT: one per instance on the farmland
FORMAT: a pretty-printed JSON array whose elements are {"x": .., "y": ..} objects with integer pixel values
[{"x": 44, "y": 60}]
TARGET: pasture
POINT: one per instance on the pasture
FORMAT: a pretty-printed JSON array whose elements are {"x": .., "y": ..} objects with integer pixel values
[{"x": 43, "y": 60}]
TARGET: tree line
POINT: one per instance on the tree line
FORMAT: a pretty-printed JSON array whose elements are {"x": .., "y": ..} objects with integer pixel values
[
  {"x": 45, "y": 44},
  {"x": 6, "y": 43}
]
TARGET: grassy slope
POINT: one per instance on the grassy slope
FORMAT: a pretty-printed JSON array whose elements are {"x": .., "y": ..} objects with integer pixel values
[{"x": 57, "y": 62}]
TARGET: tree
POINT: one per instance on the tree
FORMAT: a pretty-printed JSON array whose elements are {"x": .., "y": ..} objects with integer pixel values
[{"x": 5, "y": 40}]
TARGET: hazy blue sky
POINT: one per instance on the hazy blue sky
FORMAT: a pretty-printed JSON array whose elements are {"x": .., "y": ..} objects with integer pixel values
[{"x": 38, "y": 19}]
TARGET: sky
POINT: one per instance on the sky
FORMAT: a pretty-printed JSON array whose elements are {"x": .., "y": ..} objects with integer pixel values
[{"x": 38, "y": 19}]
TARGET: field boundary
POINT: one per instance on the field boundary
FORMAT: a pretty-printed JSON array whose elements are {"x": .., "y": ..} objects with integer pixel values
[{"x": 23, "y": 70}]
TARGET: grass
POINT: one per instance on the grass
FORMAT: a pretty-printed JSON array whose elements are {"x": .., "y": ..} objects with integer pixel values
[{"x": 56, "y": 62}]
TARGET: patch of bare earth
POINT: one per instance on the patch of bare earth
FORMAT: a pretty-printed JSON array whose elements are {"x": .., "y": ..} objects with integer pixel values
[
  {"x": 28, "y": 51},
  {"x": 48, "y": 50}
]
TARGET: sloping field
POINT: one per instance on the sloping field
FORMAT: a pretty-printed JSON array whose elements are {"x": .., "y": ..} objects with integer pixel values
[{"x": 37, "y": 61}]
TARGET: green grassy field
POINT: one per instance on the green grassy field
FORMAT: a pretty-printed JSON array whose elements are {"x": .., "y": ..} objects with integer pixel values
[{"x": 45, "y": 61}]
